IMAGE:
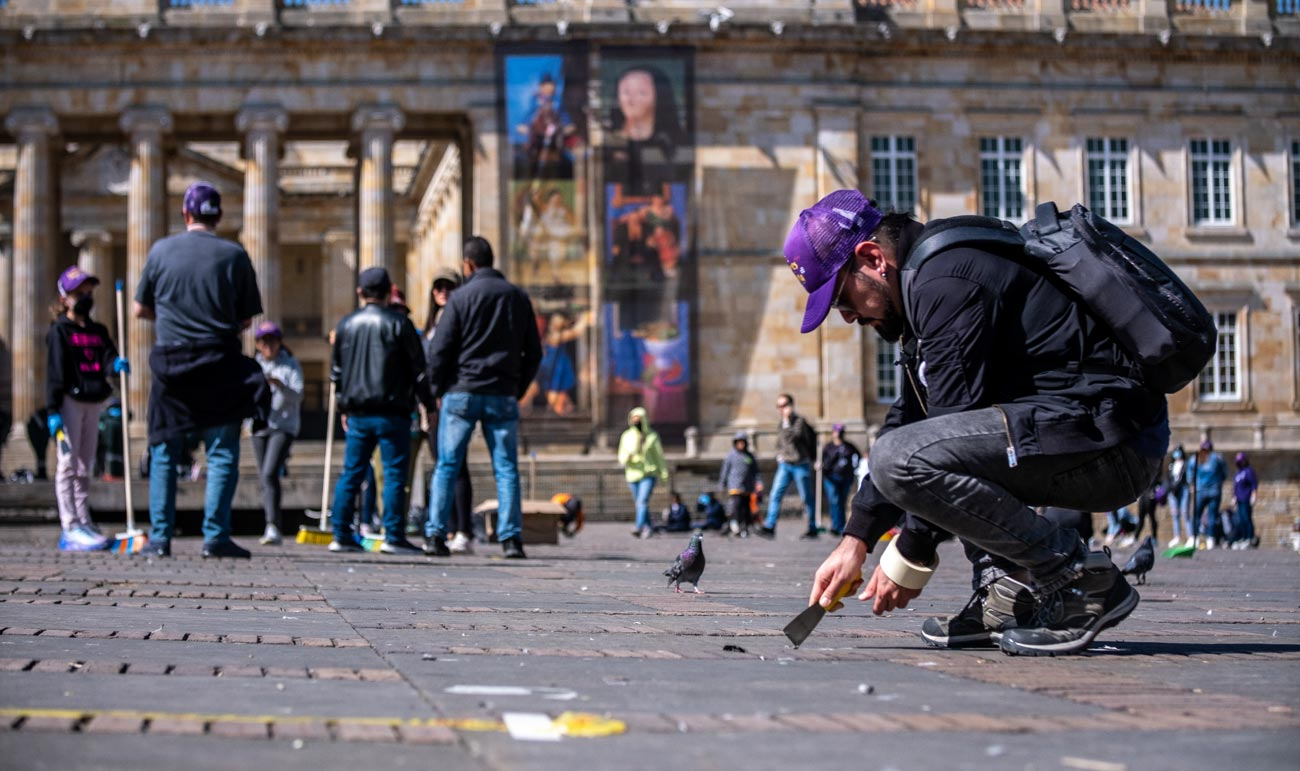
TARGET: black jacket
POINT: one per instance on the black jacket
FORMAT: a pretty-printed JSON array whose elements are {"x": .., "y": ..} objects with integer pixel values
[
  {"x": 983, "y": 331},
  {"x": 378, "y": 363},
  {"x": 78, "y": 363},
  {"x": 487, "y": 340},
  {"x": 201, "y": 385}
]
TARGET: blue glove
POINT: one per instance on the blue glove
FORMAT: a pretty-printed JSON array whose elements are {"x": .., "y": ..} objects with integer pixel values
[
  {"x": 121, "y": 365},
  {"x": 55, "y": 422}
]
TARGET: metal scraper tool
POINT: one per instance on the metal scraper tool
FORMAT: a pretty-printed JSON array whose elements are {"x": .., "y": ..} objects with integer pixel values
[{"x": 804, "y": 623}]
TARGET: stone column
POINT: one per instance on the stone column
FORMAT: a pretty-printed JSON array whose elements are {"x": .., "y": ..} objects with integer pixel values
[
  {"x": 338, "y": 278},
  {"x": 483, "y": 171},
  {"x": 262, "y": 126},
  {"x": 376, "y": 125},
  {"x": 842, "y": 355},
  {"x": 96, "y": 258},
  {"x": 34, "y": 249},
  {"x": 6, "y": 316},
  {"x": 146, "y": 222}
]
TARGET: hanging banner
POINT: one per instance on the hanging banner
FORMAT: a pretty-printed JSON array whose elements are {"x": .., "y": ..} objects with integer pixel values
[{"x": 648, "y": 270}]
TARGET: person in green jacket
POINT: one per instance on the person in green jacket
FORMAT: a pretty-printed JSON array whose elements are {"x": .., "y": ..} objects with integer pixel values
[{"x": 641, "y": 455}]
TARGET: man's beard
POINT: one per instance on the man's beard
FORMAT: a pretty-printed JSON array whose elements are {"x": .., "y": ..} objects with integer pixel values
[{"x": 890, "y": 326}]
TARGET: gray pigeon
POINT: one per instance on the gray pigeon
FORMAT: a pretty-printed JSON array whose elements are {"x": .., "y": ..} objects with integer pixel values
[
  {"x": 689, "y": 565},
  {"x": 1142, "y": 560}
]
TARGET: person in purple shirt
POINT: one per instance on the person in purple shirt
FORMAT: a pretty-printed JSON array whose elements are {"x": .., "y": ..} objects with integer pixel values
[{"x": 1244, "y": 487}]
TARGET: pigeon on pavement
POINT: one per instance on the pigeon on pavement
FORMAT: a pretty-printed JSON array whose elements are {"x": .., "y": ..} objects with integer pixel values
[
  {"x": 1142, "y": 560},
  {"x": 689, "y": 565}
]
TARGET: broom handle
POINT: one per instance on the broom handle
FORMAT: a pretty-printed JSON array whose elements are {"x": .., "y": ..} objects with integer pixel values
[
  {"x": 126, "y": 414},
  {"x": 329, "y": 459}
]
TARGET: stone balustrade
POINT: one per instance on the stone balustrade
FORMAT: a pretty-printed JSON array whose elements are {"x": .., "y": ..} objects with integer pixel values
[{"x": 670, "y": 17}]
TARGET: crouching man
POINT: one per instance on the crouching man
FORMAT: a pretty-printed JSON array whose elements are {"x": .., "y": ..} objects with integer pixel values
[{"x": 1012, "y": 397}]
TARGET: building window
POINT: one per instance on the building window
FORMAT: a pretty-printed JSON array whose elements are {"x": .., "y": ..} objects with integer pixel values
[
  {"x": 889, "y": 373},
  {"x": 1295, "y": 183},
  {"x": 1001, "y": 181},
  {"x": 1211, "y": 182},
  {"x": 893, "y": 172},
  {"x": 1221, "y": 379},
  {"x": 1108, "y": 178}
]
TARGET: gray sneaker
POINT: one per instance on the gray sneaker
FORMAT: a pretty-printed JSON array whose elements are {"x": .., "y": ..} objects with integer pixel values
[
  {"x": 271, "y": 537},
  {"x": 1003, "y": 605},
  {"x": 1069, "y": 619}
]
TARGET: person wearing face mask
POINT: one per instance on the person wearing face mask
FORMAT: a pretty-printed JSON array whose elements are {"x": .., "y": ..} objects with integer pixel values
[
  {"x": 641, "y": 455},
  {"x": 272, "y": 439},
  {"x": 1244, "y": 486},
  {"x": 1180, "y": 492},
  {"x": 80, "y": 356}
]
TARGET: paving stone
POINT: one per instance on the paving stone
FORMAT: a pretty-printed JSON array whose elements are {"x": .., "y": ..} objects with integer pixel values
[
  {"x": 277, "y": 639},
  {"x": 241, "y": 672},
  {"x": 113, "y": 724},
  {"x": 380, "y": 675},
  {"x": 167, "y": 636},
  {"x": 243, "y": 639},
  {"x": 287, "y": 672},
  {"x": 19, "y": 630},
  {"x": 49, "y": 723},
  {"x": 239, "y": 729},
  {"x": 204, "y": 637},
  {"x": 131, "y": 634},
  {"x": 192, "y": 669},
  {"x": 53, "y": 666},
  {"x": 426, "y": 734},
  {"x": 318, "y": 642},
  {"x": 15, "y": 665},
  {"x": 334, "y": 673},
  {"x": 147, "y": 668},
  {"x": 182, "y": 726},
  {"x": 352, "y": 731},
  {"x": 103, "y": 668},
  {"x": 315, "y": 730}
]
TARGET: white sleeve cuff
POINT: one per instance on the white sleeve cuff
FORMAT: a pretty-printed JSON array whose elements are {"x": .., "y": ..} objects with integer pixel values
[{"x": 898, "y": 569}]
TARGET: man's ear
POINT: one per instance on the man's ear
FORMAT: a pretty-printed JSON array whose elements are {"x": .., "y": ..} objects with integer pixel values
[{"x": 869, "y": 256}]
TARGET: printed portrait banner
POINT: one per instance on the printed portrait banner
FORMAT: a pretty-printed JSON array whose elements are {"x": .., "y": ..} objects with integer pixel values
[{"x": 647, "y": 271}]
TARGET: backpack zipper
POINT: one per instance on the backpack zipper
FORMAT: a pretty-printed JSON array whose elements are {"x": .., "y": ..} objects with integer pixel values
[{"x": 1012, "y": 460}]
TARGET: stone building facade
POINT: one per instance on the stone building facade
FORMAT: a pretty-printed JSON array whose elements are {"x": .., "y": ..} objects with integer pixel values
[{"x": 363, "y": 132}]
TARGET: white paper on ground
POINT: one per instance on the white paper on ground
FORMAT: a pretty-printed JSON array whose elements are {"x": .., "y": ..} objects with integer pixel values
[{"x": 531, "y": 727}]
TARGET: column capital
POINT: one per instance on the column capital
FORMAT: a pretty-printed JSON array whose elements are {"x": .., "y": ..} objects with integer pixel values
[
  {"x": 31, "y": 121},
  {"x": 378, "y": 117},
  {"x": 91, "y": 237},
  {"x": 145, "y": 120},
  {"x": 262, "y": 117}
]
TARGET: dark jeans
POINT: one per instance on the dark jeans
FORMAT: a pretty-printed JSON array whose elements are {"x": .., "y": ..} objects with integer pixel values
[
  {"x": 838, "y": 493},
  {"x": 462, "y": 506},
  {"x": 271, "y": 449},
  {"x": 1243, "y": 525},
  {"x": 1205, "y": 514},
  {"x": 952, "y": 471},
  {"x": 392, "y": 433}
]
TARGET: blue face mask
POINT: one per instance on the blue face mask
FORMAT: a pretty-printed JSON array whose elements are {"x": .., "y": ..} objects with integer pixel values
[{"x": 1178, "y": 455}]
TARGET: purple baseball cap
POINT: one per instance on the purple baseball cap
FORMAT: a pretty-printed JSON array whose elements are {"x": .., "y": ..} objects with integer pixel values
[
  {"x": 837, "y": 428},
  {"x": 72, "y": 278},
  {"x": 822, "y": 242},
  {"x": 202, "y": 199},
  {"x": 268, "y": 329}
]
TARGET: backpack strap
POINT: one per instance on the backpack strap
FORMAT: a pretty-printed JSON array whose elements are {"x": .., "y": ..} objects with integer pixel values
[{"x": 987, "y": 233}]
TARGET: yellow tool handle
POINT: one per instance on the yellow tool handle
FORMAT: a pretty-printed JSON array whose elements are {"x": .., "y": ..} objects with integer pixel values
[{"x": 845, "y": 591}]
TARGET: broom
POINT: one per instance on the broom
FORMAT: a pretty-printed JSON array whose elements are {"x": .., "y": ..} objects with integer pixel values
[
  {"x": 133, "y": 540},
  {"x": 306, "y": 533}
]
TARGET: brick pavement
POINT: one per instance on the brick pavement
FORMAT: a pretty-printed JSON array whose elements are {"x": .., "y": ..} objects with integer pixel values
[{"x": 299, "y": 648}]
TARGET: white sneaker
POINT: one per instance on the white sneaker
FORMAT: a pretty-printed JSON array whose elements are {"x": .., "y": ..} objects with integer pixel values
[
  {"x": 271, "y": 537},
  {"x": 88, "y": 537},
  {"x": 1174, "y": 542},
  {"x": 1209, "y": 542},
  {"x": 338, "y": 547},
  {"x": 1127, "y": 541},
  {"x": 460, "y": 544},
  {"x": 1191, "y": 541}
]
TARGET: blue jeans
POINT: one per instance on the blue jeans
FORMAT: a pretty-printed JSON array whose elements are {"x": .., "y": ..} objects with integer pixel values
[
  {"x": 221, "y": 444},
  {"x": 456, "y": 419},
  {"x": 641, "y": 490},
  {"x": 837, "y": 494},
  {"x": 1179, "y": 513},
  {"x": 1243, "y": 525},
  {"x": 802, "y": 476},
  {"x": 392, "y": 433},
  {"x": 952, "y": 472},
  {"x": 1208, "y": 525}
]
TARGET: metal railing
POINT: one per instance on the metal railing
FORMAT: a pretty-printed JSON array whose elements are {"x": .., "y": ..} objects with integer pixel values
[
  {"x": 994, "y": 5},
  {"x": 1099, "y": 6}
]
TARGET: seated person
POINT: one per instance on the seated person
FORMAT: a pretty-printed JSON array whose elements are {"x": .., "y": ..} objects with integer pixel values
[
  {"x": 715, "y": 517},
  {"x": 677, "y": 518}
]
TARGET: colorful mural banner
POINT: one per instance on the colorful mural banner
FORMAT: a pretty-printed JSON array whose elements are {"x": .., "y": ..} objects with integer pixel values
[
  {"x": 647, "y": 271},
  {"x": 543, "y": 108}
]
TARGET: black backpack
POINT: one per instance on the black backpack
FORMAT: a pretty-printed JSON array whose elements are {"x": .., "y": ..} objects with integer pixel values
[{"x": 1121, "y": 283}]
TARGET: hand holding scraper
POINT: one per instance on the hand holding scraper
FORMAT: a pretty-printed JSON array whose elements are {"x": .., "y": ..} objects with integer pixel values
[{"x": 803, "y": 624}]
